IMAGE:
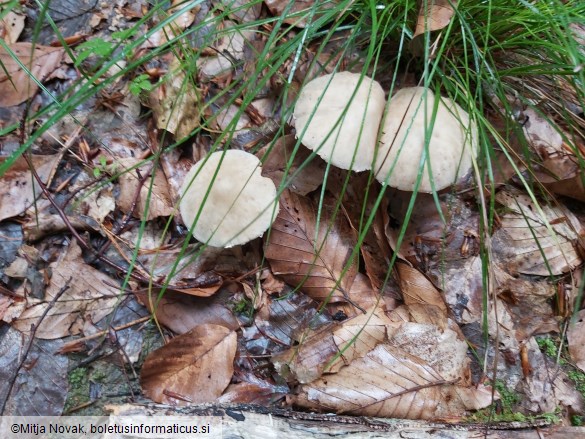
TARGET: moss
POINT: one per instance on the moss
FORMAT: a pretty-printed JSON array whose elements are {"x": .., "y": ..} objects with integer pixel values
[
  {"x": 504, "y": 410},
  {"x": 78, "y": 388}
]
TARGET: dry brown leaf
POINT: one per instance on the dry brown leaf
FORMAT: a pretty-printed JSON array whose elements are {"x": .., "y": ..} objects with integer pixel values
[
  {"x": 91, "y": 295},
  {"x": 332, "y": 347},
  {"x": 41, "y": 61},
  {"x": 155, "y": 193},
  {"x": 181, "y": 313},
  {"x": 576, "y": 340},
  {"x": 417, "y": 289},
  {"x": 18, "y": 190},
  {"x": 389, "y": 382},
  {"x": 524, "y": 244},
  {"x": 299, "y": 179},
  {"x": 176, "y": 103},
  {"x": 434, "y": 15},
  {"x": 298, "y": 12},
  {"x": 312, "y": 259},
  {"x": 11, "y": 25},
  {"x": 195, "y": 367}
]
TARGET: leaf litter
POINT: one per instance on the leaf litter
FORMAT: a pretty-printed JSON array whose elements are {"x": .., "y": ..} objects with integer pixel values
[{"x": 304, "y": 315}]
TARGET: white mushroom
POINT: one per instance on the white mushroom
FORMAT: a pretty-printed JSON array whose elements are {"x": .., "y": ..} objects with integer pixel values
[
  {"x": 336, "y": 136},
  {"x": 452, "y": 146},
  {"x": 236, "y": 206}
]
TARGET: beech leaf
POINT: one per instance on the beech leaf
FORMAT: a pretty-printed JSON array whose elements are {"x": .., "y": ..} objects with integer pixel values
[{"x": 192, "y": 368}]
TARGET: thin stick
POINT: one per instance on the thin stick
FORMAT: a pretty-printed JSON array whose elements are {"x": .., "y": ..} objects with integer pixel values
[{"x": 102, "y": 333}]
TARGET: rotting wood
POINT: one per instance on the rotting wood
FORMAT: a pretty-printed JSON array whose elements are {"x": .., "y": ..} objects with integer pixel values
[{"x": 258, "y": 422}]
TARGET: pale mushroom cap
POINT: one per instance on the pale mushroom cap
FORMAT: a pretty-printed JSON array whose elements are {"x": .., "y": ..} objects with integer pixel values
[
  {"x": 320, "y": 118},
  {"x": 452, "y": 146},
  {"x": 240, "y": 206}
]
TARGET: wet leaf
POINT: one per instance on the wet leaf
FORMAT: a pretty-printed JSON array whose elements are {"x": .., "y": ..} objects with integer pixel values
[
  {"x": 525, "y": 244},
  {"x": 17, "y": 86},
  {"x": 309, "y": 255},
  {"x": 40, "y": 388},
  {"x": 195, "y": 367},
  {"x": 91, "y": 295}
]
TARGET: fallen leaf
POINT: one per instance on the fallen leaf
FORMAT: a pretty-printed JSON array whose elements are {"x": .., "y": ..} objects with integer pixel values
[
  {"x": 298, "y": 12},
  {"x": 16, "y": 85},
  {"x": 91, "y": 295},
  {"x": 417, "y": 289},
  {"x": 181, "y": 313},
  {"x": 11, "y": 25},
  {"x": 291, "y": 169},
  {"x": 314, "y": 257},
  {"x": 389, "y": 382},
  {"x": 332, "y": 347},
  {"x": 18, "y": 189},
  {"x": 175, "y": 103},
  {"x": 576, "y": 339},
  {"x": 434, "y": 15},
  {"x": 230, "y": 46},
  {"x": 525, "y": 244},
  {"x": 192, "y": 368},
  {"x": 154, "y": 194},
  {"x": 41, "y": 386},
  {"x": 242, "y": 10}
]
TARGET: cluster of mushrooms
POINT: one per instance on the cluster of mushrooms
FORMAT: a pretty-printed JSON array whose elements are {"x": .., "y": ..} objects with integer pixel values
[{"x": 225, "y": 201}]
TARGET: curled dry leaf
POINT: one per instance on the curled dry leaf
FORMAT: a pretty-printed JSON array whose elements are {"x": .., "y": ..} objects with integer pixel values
[
  {"x": 154, "y": 194},
  {"x": 91, "y": 295},
  {"x": 16, "y": 85},
  {"x": 332, "y": 347},
  {"x": 434, "y": 15},
  {"x": 576, "y": 340},
  {"x": 195, "y": 367},
  {"x": 18, "y": 190},
  {"x": 525, "y": 244},
  {"x": 310, "y": 255}
]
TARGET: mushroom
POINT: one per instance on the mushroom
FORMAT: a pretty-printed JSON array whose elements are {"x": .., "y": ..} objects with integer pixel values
[
  {"x": 338, "y": 117},
  {"x": 452, "y": 145},
  {"x": 225, "y": 201}
]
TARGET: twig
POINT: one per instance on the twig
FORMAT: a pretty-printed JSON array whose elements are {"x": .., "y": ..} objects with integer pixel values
[
  {"x": 33, "y": 331},
  {"x": 99, "y": 334}
]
